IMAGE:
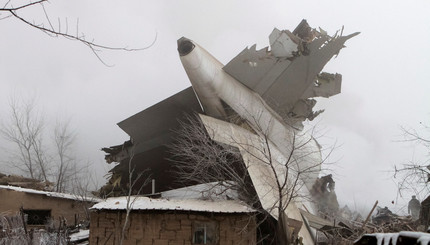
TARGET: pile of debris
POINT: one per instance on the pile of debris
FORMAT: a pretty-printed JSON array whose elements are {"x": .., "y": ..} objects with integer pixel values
[
  {"x": 20, "y": 181},
  {"x": 348, "y": 227},
  {"x": 343, "y": 226}
]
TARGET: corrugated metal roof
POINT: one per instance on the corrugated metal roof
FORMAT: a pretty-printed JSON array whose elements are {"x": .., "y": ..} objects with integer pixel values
[
  {"x": 213, "y": 191},
  {"x": 52, "y": 194},
  {"x": 146, "y": 203}
]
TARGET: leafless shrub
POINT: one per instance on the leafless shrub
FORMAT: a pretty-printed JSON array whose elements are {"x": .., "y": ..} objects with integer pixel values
[{"x": 414, "y": 176}]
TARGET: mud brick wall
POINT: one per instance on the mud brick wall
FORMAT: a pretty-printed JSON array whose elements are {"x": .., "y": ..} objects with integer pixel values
[{"x": 168, "y": 228}]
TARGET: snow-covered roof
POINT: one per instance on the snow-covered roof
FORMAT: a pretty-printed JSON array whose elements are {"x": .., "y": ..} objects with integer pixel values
[
  {"x": 146, "y": 203},
  {"x": 51, "y": 194},
  {"x": 212, "y": 191}
]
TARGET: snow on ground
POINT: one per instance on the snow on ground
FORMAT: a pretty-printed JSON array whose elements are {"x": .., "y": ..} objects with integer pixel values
[{"x": 81, "y": 235}]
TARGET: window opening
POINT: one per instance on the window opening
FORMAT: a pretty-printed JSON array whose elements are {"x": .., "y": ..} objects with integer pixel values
[
  {"x": 37, "y": 217},
  {"x": 205, "y": 233}
]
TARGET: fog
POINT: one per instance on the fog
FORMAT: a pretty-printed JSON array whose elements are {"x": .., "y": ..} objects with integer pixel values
[{"x": 385, "y": 73}]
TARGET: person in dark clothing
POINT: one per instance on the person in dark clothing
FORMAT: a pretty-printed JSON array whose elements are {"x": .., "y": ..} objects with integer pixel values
[{"x": 414, "y": 207}]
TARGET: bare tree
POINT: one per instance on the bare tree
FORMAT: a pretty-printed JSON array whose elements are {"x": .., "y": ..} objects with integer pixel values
[
  {"x": 202, "y": 160},
  {"x": 133, "y": 179},
  {"x": 41, "y": 157},
  {"x": 24, "y": 129},
  {"x": 415, "y": 175},
  {"x": 60, "y": 29},
  {"x": 84, "y": 189},
  {"x": 64, "y": 159},
  {"x": 34, "y": 153}
]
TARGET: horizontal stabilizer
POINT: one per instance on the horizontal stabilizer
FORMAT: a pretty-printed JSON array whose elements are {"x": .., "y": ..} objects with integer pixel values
[{"x": 291, "y": 70}]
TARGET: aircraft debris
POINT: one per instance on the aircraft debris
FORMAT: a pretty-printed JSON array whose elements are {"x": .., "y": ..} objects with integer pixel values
[
  {"x": 271, "y": 91},
  {"x": 282, "y": 44}
]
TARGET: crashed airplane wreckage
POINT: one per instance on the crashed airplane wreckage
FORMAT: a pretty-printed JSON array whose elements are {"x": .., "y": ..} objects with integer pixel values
[{"x": 270, "y": 90}]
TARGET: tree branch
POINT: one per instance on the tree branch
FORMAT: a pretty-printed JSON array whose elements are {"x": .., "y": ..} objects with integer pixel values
[{"x": 51, "y": 31}]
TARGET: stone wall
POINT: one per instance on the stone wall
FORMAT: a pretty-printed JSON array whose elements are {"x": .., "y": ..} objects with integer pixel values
[
  {"x": 168, "y": 227},
  {"x": 11, "y": 201}
]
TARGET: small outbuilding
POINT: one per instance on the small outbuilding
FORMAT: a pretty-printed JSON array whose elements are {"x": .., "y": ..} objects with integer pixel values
[
  {"x": 172, "y": 220},
  {"x": 43, "y": 207}
]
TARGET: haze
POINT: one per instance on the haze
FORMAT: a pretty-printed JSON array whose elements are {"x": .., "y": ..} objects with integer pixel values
[{"x": 385, "y": 73}]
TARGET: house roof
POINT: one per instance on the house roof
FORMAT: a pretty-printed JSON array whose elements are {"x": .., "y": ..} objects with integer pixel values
[
  {"x": 214, "y": 191},
  {"x": 146, "y": 203},
  {"x": 51, "y": 194}
]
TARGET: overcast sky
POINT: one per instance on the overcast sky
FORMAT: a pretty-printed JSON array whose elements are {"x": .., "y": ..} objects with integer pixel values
[{"x": 386, "y": 78}]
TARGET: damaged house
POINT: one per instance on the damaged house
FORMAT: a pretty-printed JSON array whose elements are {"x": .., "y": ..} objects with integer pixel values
[
  {"x": 253, "y": 109},
  {"x": 190, "y": 215}
]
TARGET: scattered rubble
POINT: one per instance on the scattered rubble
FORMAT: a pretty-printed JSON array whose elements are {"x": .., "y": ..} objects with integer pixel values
[
  {"x": 348, "y": 227},
  {"x": 344, "y": 226}
]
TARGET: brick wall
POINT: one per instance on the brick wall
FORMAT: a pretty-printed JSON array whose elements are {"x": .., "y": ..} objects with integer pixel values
[{"x": 168, "y": 228}]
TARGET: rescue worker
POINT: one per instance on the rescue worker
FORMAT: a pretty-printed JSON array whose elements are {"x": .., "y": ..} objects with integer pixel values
[{"x": 414, "y": 207}]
